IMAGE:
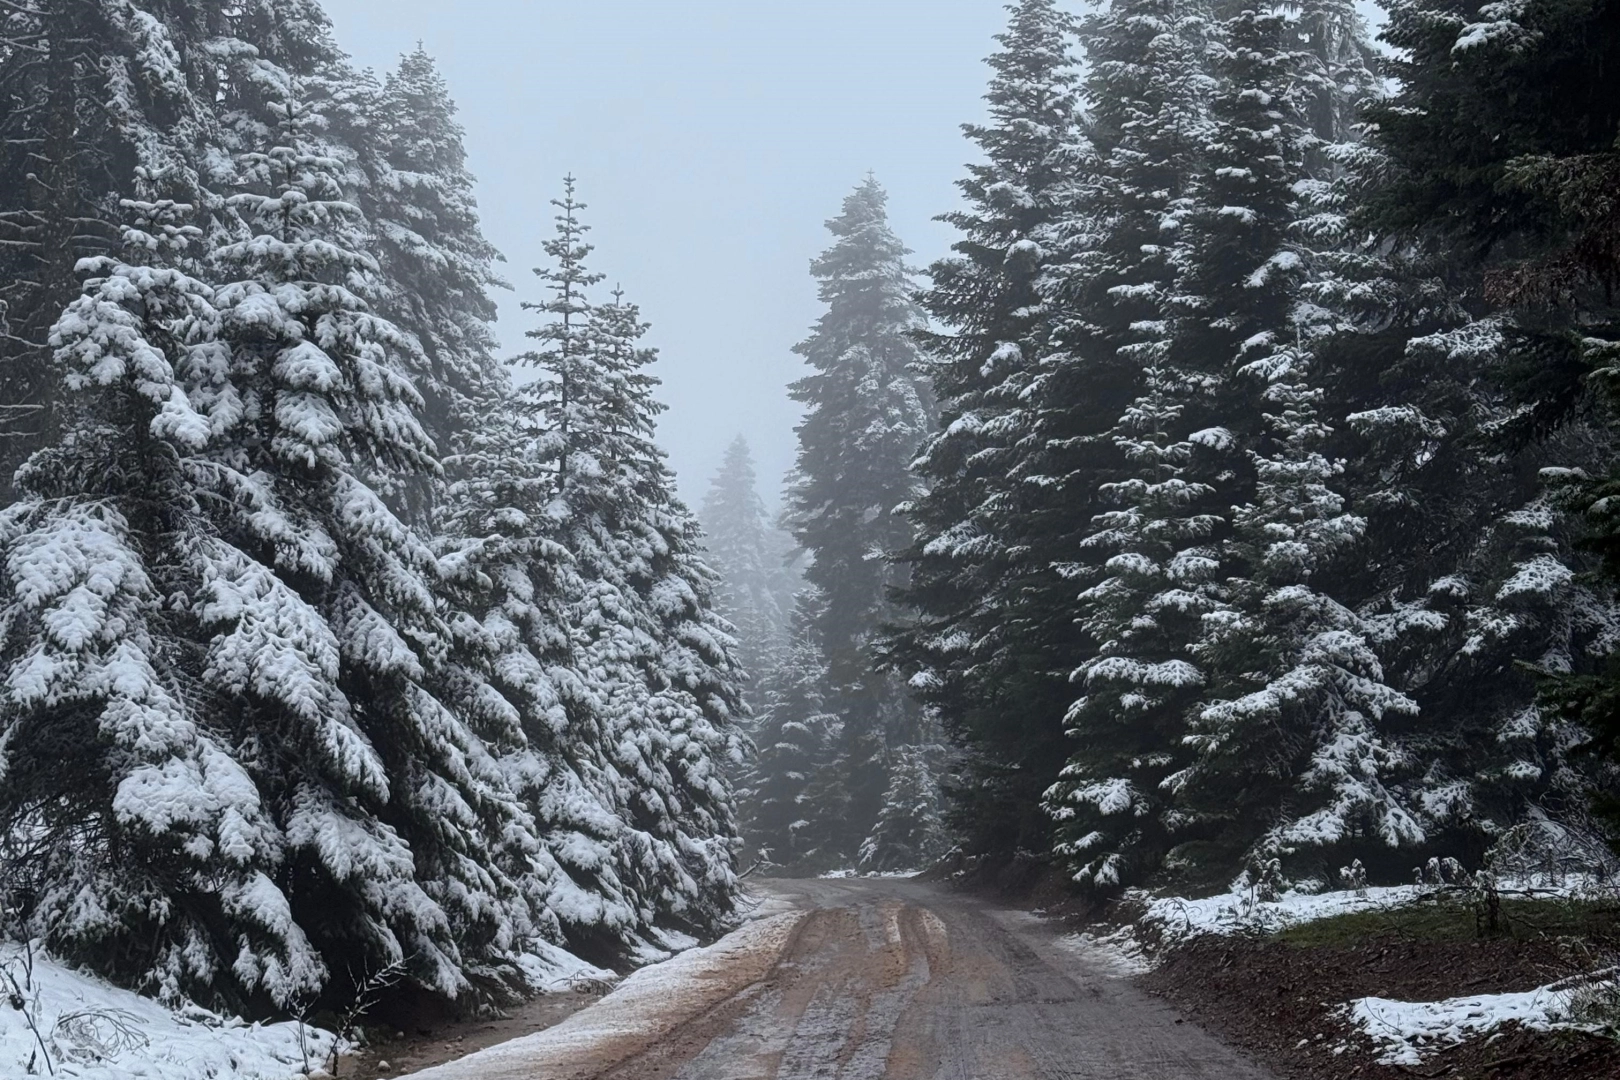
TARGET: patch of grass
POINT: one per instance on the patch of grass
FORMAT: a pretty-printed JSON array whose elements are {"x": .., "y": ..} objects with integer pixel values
[{"x": 1453, "y": 919}]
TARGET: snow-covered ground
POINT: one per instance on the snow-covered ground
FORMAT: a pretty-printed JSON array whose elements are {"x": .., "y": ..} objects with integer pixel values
[
  {"x": 1171, "y": 920},
  {"x": 1407, "y": 1030},
  {"x": 645, "y": 1008},
  {"x": 87, "y": 1028},
  {"x": 1117, "y": 953},
  {"x": 95, "y": 1031},
  {"x": 1176, "y": 919},
  {"x": 1404, "y": 1030},
  {"x": 879, "y": 875}
]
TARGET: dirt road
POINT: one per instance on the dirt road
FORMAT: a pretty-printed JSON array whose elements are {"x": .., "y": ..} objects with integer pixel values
[{"x": 887, "y": 980}]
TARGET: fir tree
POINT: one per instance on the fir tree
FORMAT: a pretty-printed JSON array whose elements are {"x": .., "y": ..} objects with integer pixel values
[
  {"x": 164, "y": 836},
  {"x": 867, "y": 415},
  {"x": 1146, "y": 565},
  {"x": 739, "y": 539},
  {"x": 1299, "y": 716},
  {"x": 92, "y": 93},
  {"x": 389, "y": 797},
  {"x": 968, "y": 565},
  {"x": 909, "y": 833},
  {"x": 437, "y": 266},
  {"x": 663, "y": 689},
  {"x": 793, "y": 737},
  {"x": 514, "y": 581},
  {"x": 1515, "y": 218}
]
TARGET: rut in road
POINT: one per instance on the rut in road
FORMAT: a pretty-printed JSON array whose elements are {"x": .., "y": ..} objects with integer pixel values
[{"x": 901, "y": 981}]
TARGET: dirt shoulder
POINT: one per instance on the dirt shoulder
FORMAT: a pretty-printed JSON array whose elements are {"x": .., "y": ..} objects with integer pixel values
[
  {"x": 428, "y": 1043},
  {"x": 1281, "y": 998}
]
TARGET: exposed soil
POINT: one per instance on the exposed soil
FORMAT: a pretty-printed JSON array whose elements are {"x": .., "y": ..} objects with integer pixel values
[
  {"x": 1270, "y": 997},
  {"x": 434, "y": 1042}
]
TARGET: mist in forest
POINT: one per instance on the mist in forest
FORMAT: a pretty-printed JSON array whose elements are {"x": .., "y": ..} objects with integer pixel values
[{"x": 710, "y": 139}]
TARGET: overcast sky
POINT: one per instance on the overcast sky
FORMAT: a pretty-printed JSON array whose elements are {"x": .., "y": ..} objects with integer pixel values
[{"x": 712, "y": 139}]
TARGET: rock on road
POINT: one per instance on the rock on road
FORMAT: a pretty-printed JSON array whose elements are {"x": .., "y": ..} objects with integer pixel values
[{"x": 873, "y": 980}]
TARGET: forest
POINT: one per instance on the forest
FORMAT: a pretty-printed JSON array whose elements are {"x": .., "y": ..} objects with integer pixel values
[{"x": 1235, "y": 505}]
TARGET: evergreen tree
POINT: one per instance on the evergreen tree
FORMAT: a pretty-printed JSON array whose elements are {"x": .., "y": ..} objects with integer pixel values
[
  {"x": 691, "y": 669},
  {"x": 793, "y": 737},
  {"x": 1146, "y": 565},
  {"x": 112, "y": 587},
  {"x": 664, "y": 689},
  {"x": 92, "y": 93},
  {"x": 1298, "y": 718},
  {"x": 1495, "y": 151},
  {"x": 866, "y": 416},
  {"x": 739, "y": 539},
  {"x": 308, "y": 736},
  {"x": 326, "y": 430},
  {"x": 437, "y": 266},
  {"x": 909, "y": 833},
  {"x": 514, "y": 582},
  {"x": 986, "y": 674}
]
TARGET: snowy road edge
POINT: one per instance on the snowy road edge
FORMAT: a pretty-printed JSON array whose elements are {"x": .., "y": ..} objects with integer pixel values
[{"x": 647, "y": 1006}]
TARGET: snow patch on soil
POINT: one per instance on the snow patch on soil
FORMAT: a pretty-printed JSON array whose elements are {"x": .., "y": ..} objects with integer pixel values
[
  {"x": 764, "y": 902},
  {"x": 875, "y": 875},
  {"x": 645, "y": 1008},
  {"x": 1176, "y": 919},
  {"x": 95, "y": 1031},
  {"x": 1407, "y": 1030},
  {"x": 1117, "y": 953}
]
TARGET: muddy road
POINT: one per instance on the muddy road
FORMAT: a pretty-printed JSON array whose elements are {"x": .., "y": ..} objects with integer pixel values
[{"x": 880, "y": 980}]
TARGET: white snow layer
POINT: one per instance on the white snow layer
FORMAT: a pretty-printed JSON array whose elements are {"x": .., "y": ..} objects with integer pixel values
[
  {"x": 1118, "y": 953},
  {"x": 646, "y": 1007},
  {"x": 1406, "y": 1030},
  {"x": 1177, "y": 919},
  {"x": 95, "y": 1031}
]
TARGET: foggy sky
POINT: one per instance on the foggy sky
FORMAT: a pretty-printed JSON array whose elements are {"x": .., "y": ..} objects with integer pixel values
[{"x": 711, "y": 139}]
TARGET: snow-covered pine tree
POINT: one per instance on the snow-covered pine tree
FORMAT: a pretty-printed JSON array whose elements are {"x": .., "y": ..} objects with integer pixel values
[
  {"x": 1295, "y": 755},
  {"x": 987, "y": 672},
  {"x": 436, "y": 263},
  {"x": 514, "y": 582},
  {"x": 390, "y": 801},
  {"x": 742, "y": 550},
  {"x": 90, "y": 92},
  {"x": 1147, "y": 564},
  {"x": 909, "y": 833},
  {"x": 1462, "y": 384},
  {"x": 661, "y": 685},
  {"x": 793, "y": 738},
  {"x": 867, "y": 414},
  {"x": 136, "y": 837},
  {"x": 692, "y": 671}
]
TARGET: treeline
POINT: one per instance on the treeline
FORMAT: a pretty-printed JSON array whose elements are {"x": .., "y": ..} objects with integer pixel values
[
  {"x": 845, "y": 773},
  {"x": 1269, "y": 510},
  {"x": 324, "y": 644}
]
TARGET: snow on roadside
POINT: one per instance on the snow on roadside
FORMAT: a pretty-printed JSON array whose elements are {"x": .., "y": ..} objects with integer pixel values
[
  {"x": 555, "y": 970},
  {"x": 646, "y": 1007},
  {"x": 871, "y": 875},
  {"x": 1117, "y": 953},
  {"x": 95, "y": 1031},
  {"x": 1176, "y": 919},
  {"x": 1406, "y": 1030},
  {"x": 763, "y": 902}
]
